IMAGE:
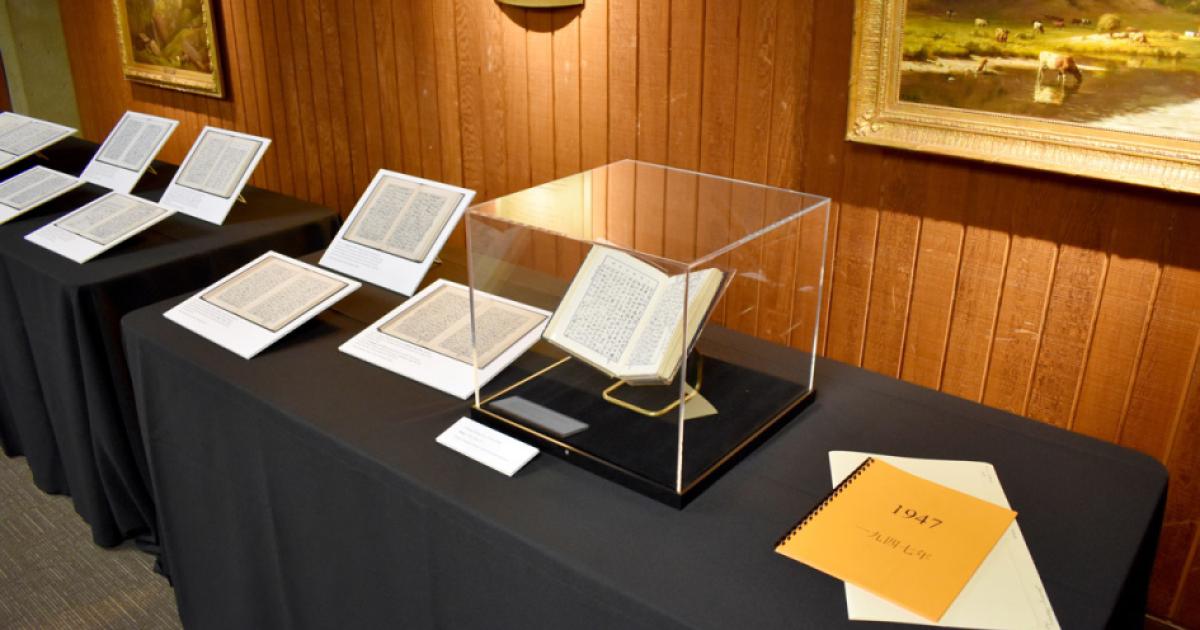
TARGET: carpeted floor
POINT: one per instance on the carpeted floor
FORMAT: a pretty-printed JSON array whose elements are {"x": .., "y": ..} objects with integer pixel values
[{"x": 52, "y": 575}]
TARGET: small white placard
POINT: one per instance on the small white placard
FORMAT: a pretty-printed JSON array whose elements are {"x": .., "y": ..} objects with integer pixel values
[
  {"x": 352, "y": 253},
  {"x": 487, "y": 446},
  {"x": 31, "y": 189},
  {"x": 99, "y": 226},
  {"x": 259, "y": 304},
  {"x": 214, "y": 173},
  {"x": 435, "y": 369},
  {"x": 128, "y": 151},
  {"x": 22, "y": 136}
]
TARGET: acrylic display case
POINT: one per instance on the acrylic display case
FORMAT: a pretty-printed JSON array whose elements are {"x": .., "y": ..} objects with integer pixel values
[{"x": 616, "y": 253}]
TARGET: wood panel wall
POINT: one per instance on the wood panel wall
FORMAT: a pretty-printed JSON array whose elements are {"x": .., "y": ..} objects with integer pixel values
[{"x": 1071, "y": 301}]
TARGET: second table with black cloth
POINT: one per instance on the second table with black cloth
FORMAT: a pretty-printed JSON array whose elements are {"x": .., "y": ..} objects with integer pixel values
[
  {"x": 66, "y": 402},
  {"x": 304, "y": 489}
]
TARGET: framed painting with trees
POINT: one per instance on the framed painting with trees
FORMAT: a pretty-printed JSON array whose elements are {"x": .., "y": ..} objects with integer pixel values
[{"x": 170, "y": 43}]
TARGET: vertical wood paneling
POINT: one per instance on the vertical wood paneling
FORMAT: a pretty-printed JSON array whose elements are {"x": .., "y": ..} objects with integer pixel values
[
  {"x": 540, "y": 55},
  {"x": 352, "y": 74},
  {"x": 935, "y": 277},
  {"x": 756, "y": 83},
  {"x": 406, "y": 86},
  {"x": 276, "y": 177},
  {"x": 1072, "y": 310},
  {"x": 1024, "y": 298},
  {"x": 473, "y": 116},
  {"x": 684, "y": 95},
  {"x": 903, "y": 191},
  {"x": 284, "y": 146},
  {"x": 1183, "y": 510},
  {"x": 495, "y": 110},
  {"x": 339, "y": 119},
  {"x": 516, "y": 99},
  {"x": 623, "y": 80},
  {"x": 363, "y": 37},
  {"x": 306, "y": 105},
  {"x": 781, "y": 257},
  {"x": 714, "y": 198},
  {"x": 619, "y": 219},
  {"x": 567, "y": 152},
  {"x": 649, "y": 191},
  {"x": 679, "y": 216},
  {"x": 653, "y": 81},
  {"x": 239, "y": 72},
  {"x": 822, "y": 168},
  {"x": 1169, "y": 353},
  {"x": 980, "y": 282},
  {"x": 1074, "y": 302},
  {"x": 683, "y": 132},
  {"x": 593, "y": 84},
  {"x": 858, "y": 225},
  {"x": 390, "y": 96},
  {"x": 288, "y": 91},
  {"x": 441, "y": 13},
  {"x": 324, "y": 143},
  {"x": 420, "y": 29},
  {"x": 718, "y": 100},
  {"x": 1134, "y": 246}
]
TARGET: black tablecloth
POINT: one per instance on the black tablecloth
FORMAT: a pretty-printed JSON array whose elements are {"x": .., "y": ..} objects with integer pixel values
[
  {"x": 65, "y": 397},
  {"x": 304, "y": 488}
]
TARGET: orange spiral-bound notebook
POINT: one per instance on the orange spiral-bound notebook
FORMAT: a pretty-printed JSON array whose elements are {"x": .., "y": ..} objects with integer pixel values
[{"x": 906, "y": 539}]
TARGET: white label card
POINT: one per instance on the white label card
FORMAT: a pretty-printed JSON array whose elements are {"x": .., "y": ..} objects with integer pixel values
[
  {"x": 98, "y": 226},
  {"x": 396, "y": 230},
  {"x": 214, "y": 173},
  {"x": 487, "y": 446},
  {"x": 128, "y": 151},
  {"x": 259, "y": 304}
]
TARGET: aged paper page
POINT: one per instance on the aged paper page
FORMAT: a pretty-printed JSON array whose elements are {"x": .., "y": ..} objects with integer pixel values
[
  {"x": 273, "y": 293},
  {"x": 218, "y": 164},
  {"x": 34, "y": 186},
  {"x": 23, "y": 138},
  {"x": 420, "y": 223},
  {"x": 110, "y": 220},
  {"x": 374, "y": 222},
  {"x": 403, "y": 219},
  {"x": 441, "y": 322},
  {"x": 131, "y": 145}
]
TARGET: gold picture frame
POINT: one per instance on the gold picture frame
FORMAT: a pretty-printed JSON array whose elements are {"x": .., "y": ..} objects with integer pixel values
[
  {"x": 170, "y": 44},
  {"x": 879, "y": 115}
]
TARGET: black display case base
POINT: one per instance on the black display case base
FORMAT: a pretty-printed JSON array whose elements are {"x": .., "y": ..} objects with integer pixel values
[{"x": 638, "y": 451}]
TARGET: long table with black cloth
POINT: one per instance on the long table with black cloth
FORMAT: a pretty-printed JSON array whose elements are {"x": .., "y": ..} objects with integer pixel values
[
  {"x": 304, "y": 489},
  {"x": 66, "y": 403}
]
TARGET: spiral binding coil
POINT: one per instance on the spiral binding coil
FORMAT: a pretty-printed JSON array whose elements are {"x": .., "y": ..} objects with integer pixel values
[{"x": 821, "y": 506}]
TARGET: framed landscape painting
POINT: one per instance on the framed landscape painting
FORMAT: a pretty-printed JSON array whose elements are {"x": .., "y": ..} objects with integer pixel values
[
  {"x": 170, "y": 43},
  {"x": 1101, "y": 88}
]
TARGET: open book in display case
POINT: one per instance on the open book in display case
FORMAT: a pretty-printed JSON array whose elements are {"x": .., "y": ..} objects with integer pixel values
[{"x": 685, "y": 316}]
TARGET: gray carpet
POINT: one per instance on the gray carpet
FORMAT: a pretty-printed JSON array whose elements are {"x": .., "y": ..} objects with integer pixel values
[{"x": 53, "y": 576}]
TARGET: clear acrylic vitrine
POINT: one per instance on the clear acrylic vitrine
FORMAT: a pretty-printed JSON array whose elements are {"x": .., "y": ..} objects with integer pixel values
[{"x": 685, "y": 316}]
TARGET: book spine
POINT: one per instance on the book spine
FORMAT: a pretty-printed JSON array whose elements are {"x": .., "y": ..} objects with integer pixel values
[{"x": 824, "y": 502}]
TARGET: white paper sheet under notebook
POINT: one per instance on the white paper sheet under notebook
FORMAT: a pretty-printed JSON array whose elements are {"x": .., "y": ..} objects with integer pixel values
[{"x": 1005, "y": 592}]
